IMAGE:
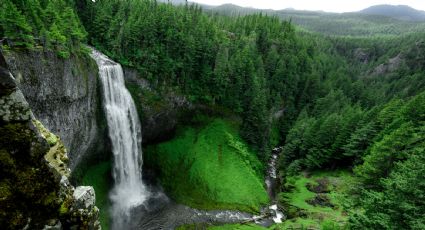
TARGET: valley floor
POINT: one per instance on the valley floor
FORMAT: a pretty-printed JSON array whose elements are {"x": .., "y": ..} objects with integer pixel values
[
  {"x": 207, "y": 166},
  {"x": 314, "y": 201}
]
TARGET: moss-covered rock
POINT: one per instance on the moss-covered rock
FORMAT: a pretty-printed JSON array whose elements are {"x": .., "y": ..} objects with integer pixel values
[{"x": 34, "y": 188}]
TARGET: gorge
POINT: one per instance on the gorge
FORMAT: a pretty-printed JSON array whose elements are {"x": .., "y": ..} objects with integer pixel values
[{"x": 141, "y": 114}]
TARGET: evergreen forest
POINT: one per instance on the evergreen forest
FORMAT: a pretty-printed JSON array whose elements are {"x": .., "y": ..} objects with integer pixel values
[{"x": 341, "y": 109}]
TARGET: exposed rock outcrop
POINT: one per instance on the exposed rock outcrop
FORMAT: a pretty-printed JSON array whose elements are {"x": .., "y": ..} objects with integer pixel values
[
  {"x": 34, "y": 189},
  {"x": 390, "y": 66},
  {"x": 361, "y": 55},
  {"x": 64, "y": 96},
  {"x": 159, "y": 111}
]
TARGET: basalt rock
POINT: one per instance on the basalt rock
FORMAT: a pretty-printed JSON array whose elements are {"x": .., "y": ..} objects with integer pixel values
[
  {"x": 64, "y": 95},
  {"x": 34, "y": 189},
  {"x": 390, "y": 66},
  {"x": 159, "y": 110}
]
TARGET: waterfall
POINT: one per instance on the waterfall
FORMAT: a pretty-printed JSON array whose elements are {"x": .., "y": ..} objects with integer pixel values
[{"x": 125, "y": 134}]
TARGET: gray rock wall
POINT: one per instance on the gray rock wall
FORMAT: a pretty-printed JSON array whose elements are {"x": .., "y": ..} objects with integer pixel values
[
  {"x": 64, "y": 96},
  {"x": 34, "y": 188},
  {"x": 159, "y": 110}
]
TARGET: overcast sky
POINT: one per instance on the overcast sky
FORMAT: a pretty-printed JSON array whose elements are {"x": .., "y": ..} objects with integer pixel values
[{"x": 325, "y": 5}]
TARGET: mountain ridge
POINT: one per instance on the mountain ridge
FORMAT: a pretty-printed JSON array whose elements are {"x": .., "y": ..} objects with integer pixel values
[
  {"x": 401, "y": 12},
  {"x": 357, "y": 24}
]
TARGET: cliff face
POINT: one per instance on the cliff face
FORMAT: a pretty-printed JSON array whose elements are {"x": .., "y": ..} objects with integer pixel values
[
  {"x": 159, "y": 112},
  {"x": 64, "y": 96},
  {"x": 35, "y": 192}
]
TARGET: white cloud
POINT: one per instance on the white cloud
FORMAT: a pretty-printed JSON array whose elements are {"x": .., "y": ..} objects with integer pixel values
[{"x": 325, "y": 5}]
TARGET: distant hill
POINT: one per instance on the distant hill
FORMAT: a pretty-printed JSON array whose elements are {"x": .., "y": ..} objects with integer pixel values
[
  {"x": 339, "y": 24},
  {"x": 401, "y": 12},
  {"x": 174, "y": 2}
]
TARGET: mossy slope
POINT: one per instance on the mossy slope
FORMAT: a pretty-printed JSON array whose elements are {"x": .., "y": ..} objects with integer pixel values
[{"x": 210, "y": 168}]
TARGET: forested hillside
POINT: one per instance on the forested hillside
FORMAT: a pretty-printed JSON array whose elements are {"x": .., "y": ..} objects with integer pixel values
[
  {"x": 347, "y": 110},
  {"x": 48, "y": 24},
  {"x": 231, "y": 62},
  {"x": 356, "y": 24},
  {"x": 352, "y": 114}
]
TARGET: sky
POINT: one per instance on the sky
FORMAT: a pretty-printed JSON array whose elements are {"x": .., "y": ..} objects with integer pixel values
[{"x": 324, "y": 5}]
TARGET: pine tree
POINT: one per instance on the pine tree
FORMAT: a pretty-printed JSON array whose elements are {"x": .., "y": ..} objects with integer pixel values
[{"x": 14, "y": 26}]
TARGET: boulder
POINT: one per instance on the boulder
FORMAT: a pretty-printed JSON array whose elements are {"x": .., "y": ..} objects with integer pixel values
[{"x": 84, "y": 197}]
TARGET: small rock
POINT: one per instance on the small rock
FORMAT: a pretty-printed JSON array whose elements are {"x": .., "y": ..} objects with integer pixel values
[
  {"x": 84, "y": 197},
  {"x": 54, "y": 225}
]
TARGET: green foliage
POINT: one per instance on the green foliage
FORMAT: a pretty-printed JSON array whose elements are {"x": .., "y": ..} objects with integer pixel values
[
  {"x": 222, "y": 61},
  {"x": 52, "y": 24},
  {"x": 301, "y": 190},
  {"x": 334, "y": 102},
  {"x": 210, "y": 168},
  {"x": 14, "y": 25},
  {"x": 333, "y": 24},
  {"x": 399, "y": 205},
  {"x": 372, "y": 123}
]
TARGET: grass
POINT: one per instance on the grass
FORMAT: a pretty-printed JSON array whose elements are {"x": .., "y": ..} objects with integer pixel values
[
  {"x": 99, "y": 176},
  {"x": 318, "y": 217},
  {"x": 210, "y": 167}
]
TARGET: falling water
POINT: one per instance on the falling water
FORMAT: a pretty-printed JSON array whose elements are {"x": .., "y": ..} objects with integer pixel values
[{"x": 125, "y": 134}]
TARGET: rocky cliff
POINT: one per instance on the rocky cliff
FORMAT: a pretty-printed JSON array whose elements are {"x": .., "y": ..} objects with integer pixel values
[
  {"x": 159, "y": 110},
  {"x": 64, "y": 96},
  {"x": 35, "y": 192}
]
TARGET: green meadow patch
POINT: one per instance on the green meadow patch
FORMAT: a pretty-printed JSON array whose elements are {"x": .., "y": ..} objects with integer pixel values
[
  {"x": 316, "y": 201},
  {"x": 210, "y": 167}
]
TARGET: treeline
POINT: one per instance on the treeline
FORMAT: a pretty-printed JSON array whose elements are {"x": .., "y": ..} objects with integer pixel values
[
  {"x": 50, "y": 24},
  {"x": 255, "y": 65}
]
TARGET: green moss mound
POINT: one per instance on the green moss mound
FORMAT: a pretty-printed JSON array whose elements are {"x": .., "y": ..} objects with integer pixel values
[
  {"x": 210, "y": 167},
  {"x": 99, "y": 176}
]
